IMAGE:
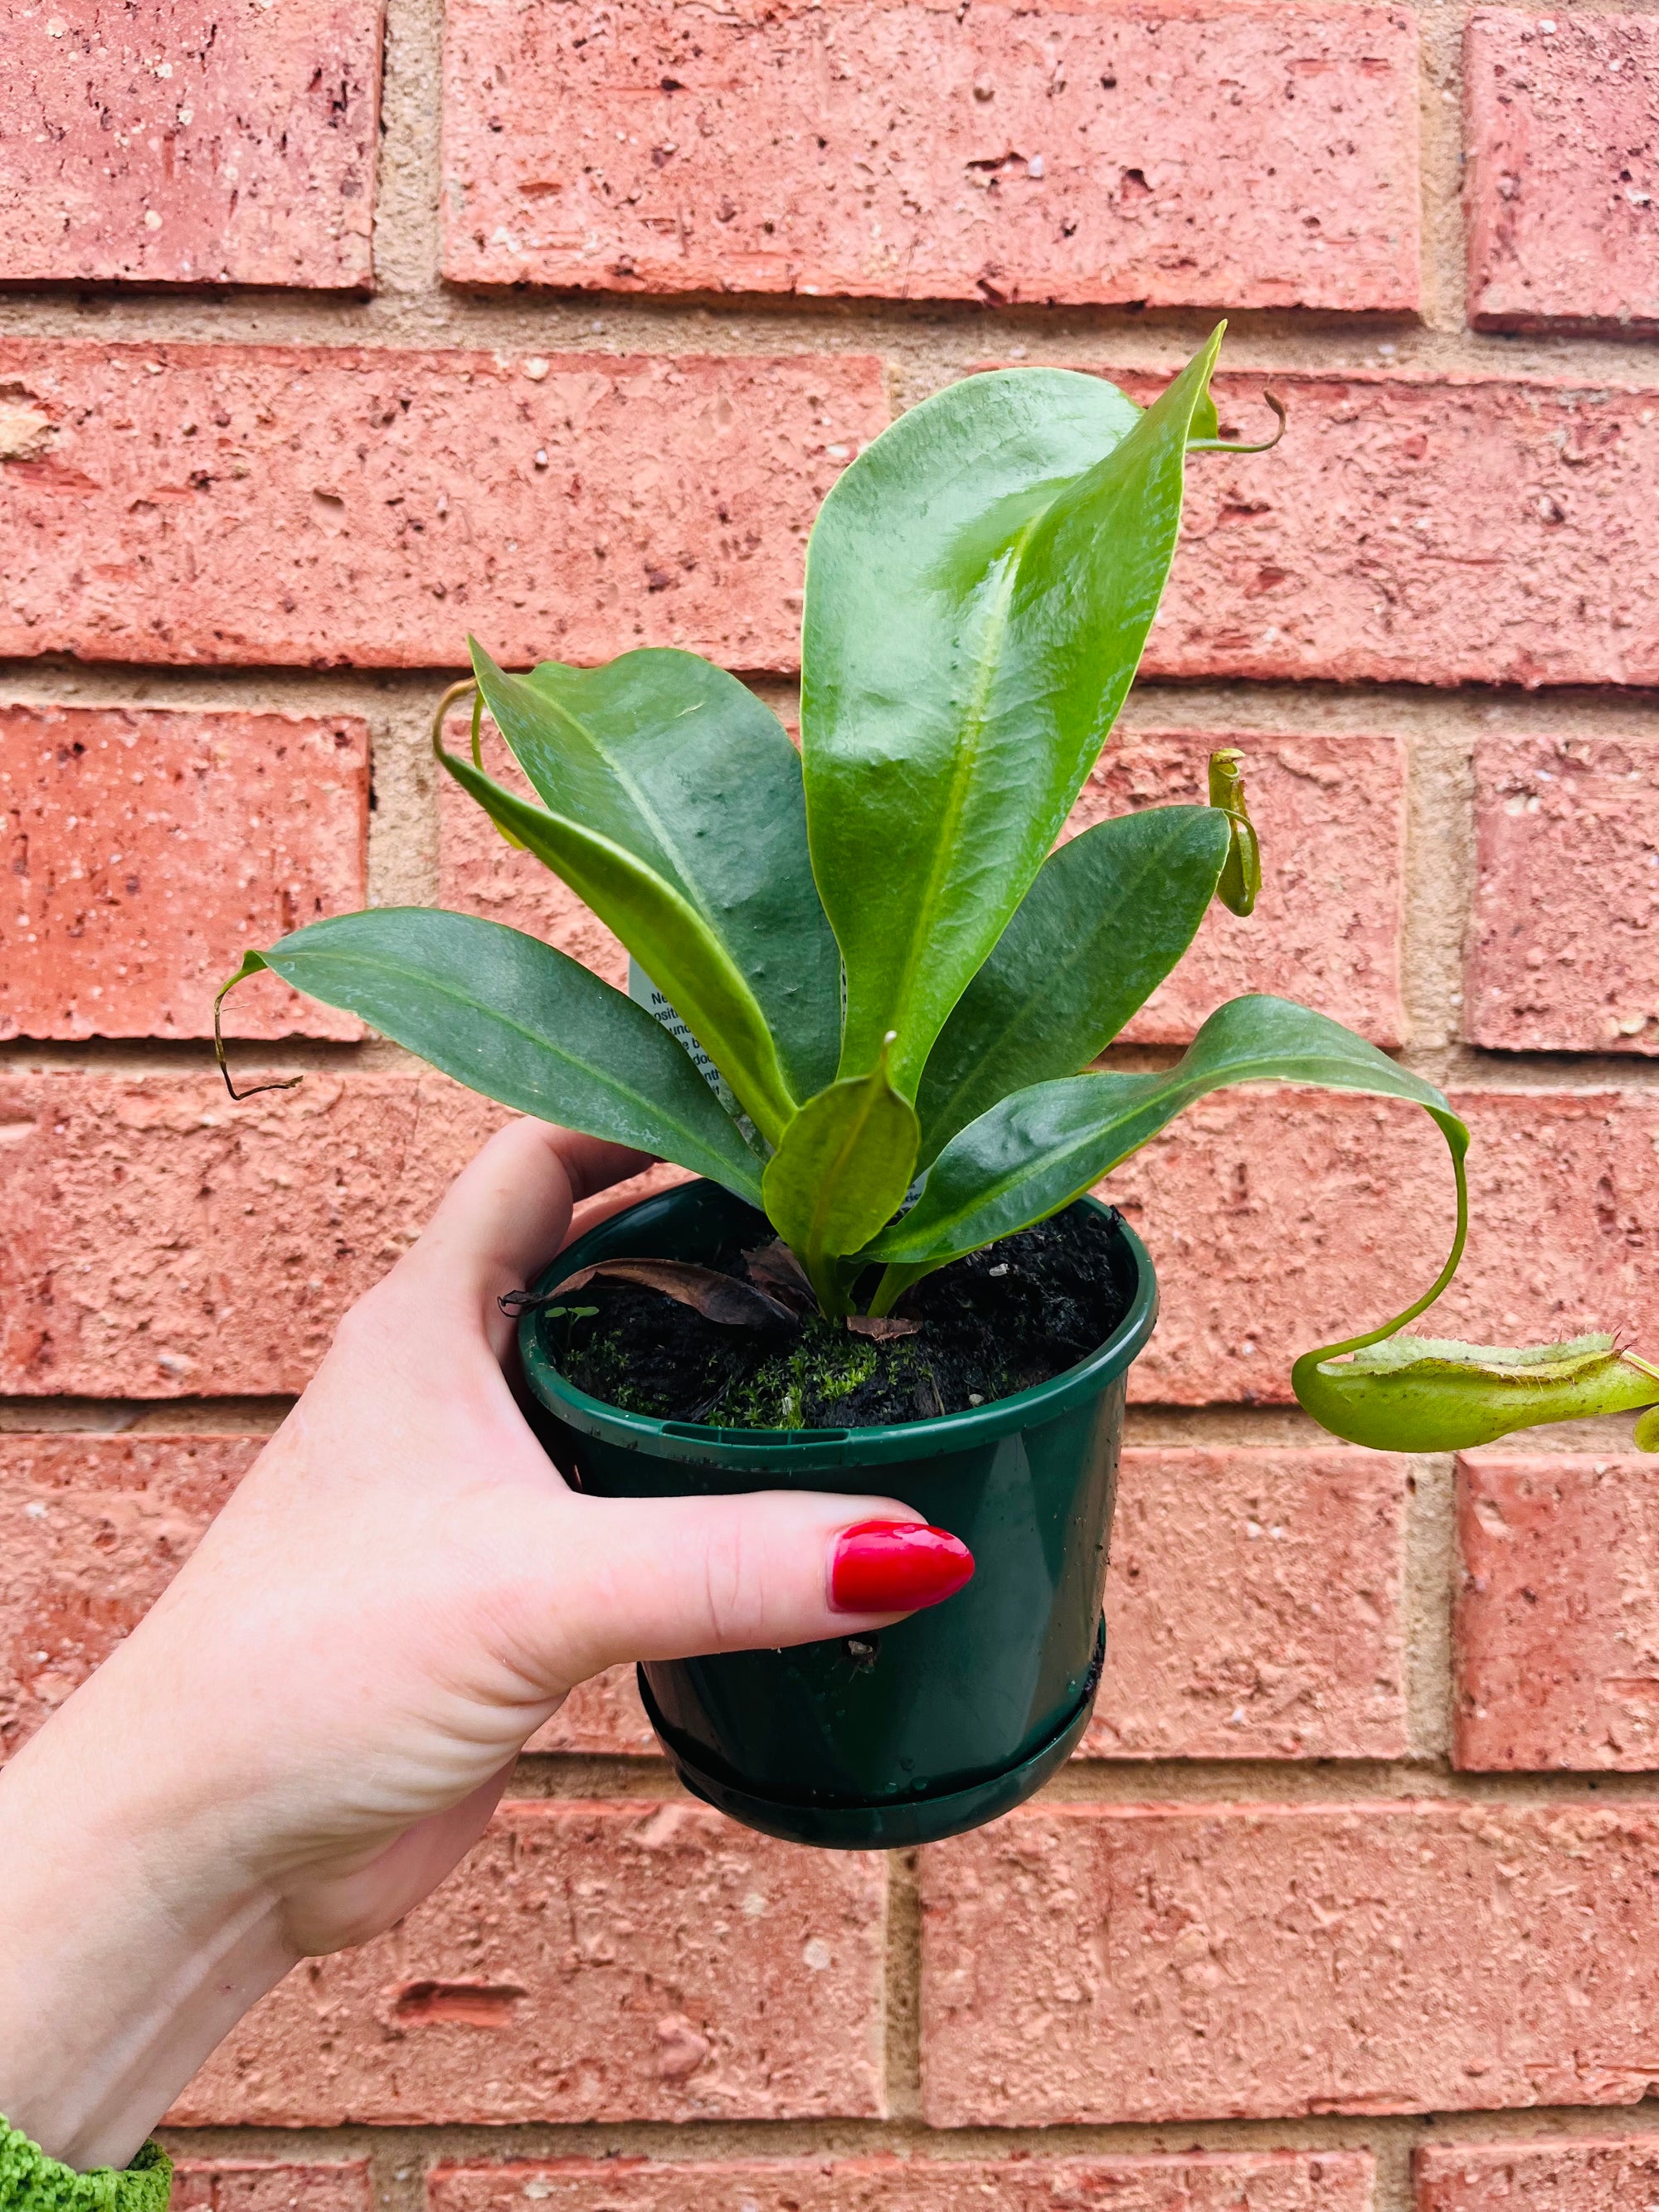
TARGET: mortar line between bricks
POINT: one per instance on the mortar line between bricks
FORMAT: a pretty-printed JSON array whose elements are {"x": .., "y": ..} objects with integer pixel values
[
  {"x": 1440, "y": 112},
  {"x": 397, "y": 2178},
  {"x": 1428, "y": 1581},
  {"x": 1456, "y": 1068},
  {"x": 408, "y": 183},
  {"x": 150, "y": 1417},
  {"x": 698, "y": 2142},
  {"x": 1367, "y": 705},
  {"x": 1165, "y": 1784},
  {"x": 922, "y": 335},
  {"x": 1437, "y": 892},
  {"x": 901, "y": 1963},
  {"x": 926, "y": 344}
]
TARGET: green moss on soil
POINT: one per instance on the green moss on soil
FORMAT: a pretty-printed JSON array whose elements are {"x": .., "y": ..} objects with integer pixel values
[
  {"x": 824, "y": 1364},
  {"x": 809, "y": 1374}
]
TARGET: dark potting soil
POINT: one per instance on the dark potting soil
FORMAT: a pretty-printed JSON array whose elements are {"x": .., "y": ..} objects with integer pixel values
[{"x": 999, "y": 1320}]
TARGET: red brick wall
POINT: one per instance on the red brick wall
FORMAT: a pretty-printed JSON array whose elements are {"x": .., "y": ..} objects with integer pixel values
[{"x": 1348, "y": 1901}]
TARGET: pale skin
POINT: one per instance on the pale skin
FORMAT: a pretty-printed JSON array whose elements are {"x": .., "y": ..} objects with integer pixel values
[{"x": 314, "y": 1723}]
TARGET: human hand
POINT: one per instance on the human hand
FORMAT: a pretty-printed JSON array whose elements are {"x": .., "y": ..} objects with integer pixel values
[{"x": 315, "y": 1722}]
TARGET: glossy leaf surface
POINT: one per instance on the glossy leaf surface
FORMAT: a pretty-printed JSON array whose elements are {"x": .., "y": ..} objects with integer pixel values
[
  {"x": 665, "y": 934},
  {"x": 679, "y": 763},
  {"x": 979, "y": 586},
  {"x": 1107, "y": 918},
  {"x": 843, "y": 1170},
  {"x": 1041, "y": 1148},
  {"x": 509, "y": 1017},
  {"x": 1432, "y": 1394}
]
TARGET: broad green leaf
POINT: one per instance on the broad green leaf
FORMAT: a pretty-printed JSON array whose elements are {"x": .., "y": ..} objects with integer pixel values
[
  {"x": 509, "y": 1017},
  {"x": 1043, "y": 1147},
  {"x": 679, "y": 763},
  {"x": 979, "y": 586},
  {"x": 1107, "y": 919},
  {"x": 1430, "y": 1394},
  {"x": 666, "y": 935},
  {"x": 841, "y": 1171}
]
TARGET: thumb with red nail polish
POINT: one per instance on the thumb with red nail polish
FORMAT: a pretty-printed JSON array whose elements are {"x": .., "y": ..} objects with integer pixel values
[
  {"x": 665, "y": 1577},
  {"x": 895, "y": 1566}
]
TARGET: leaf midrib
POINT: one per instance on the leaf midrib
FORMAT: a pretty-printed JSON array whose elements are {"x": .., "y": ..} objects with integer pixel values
[
  {"x": 666, "y": 843},
  {"x": 968, "y": 748},
  {"x": 594, "y": 1069},
  {"x": 1194, "y": 1087},
  {"x": 829, "y": 1181},
  {"x": 772, "y": 1101},
  {"x": 628, "y": 862}
]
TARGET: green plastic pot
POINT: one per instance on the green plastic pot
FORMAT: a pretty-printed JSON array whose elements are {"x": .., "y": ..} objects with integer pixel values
[{"x": 955, "y": 1715}]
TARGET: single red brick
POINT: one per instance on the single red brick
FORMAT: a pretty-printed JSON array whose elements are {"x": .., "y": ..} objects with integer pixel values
[
  {"x": 1282, "y": 1221},
  {"x": 95, "y": 1527},
  {"x": 587, "y": 1962},
  {"x": 1562, "y": 121},
  {"x": 1563, "y": 954},
  {"x": 1582, "y": 2174},
  {"x": 1262, "y": 157},
  {"x": 1253, "y": 1607},
  {"x": 1087, "y": 1963},
  {"x": 271, "y": 2184},
  {"x": 323, "y": 506},
  {"x": 1434, "y": 529},
  {"x": 150, "y": 847},
  {"x": 182, "y": 144},
  {"x": 1331, "y": 812},
  {"x": 165, "y": 1242},
  {"x": 1556, "y": 1641},
  {"x": 1197, "y": 2181}
]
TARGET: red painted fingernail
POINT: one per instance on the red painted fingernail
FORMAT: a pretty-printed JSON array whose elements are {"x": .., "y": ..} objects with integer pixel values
[{"x": 895, "y": 1566}]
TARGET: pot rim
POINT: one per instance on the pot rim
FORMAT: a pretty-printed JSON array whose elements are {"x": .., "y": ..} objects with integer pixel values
[{"x": 799, "y": 1451}]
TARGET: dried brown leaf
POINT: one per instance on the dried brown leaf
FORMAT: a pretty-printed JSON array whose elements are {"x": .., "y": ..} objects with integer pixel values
[
  {"x": 777, "y": 1270},
  {"x": 716, "y": 1297}
]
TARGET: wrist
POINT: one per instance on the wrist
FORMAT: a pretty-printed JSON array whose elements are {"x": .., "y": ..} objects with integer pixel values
[{"x": 125, "y": 1953}]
